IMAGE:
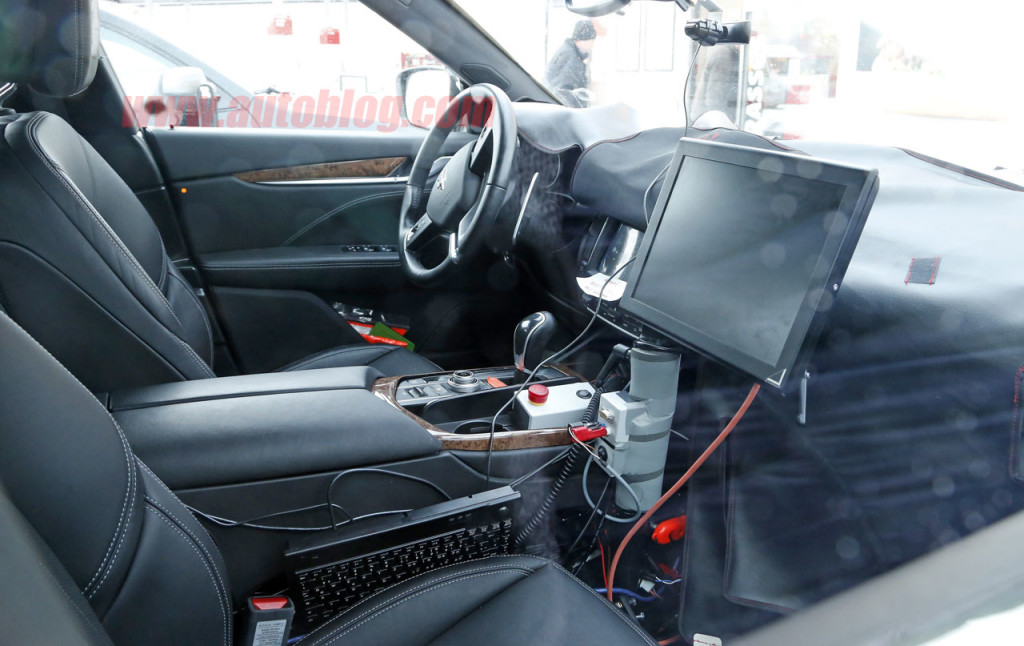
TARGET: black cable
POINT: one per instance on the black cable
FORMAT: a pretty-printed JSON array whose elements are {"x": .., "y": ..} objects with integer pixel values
[
  {"x": 686, "y": 86},
  {"x": 575, "y": 309},
  {"x": 252, "y": 523},
  {"x": 561, "y": 354},
  {"x": 597, "y": 530},
  {"x": 622, "y": 482},
  {"x": 549, "y": 500},
  {"x": 589, "y": 416},
  {"x": 397, "y": 474},
  {"x": 624, "y": 602},
  {"x": 590, "y": 519},
  {"x": 521, "y": 479}
]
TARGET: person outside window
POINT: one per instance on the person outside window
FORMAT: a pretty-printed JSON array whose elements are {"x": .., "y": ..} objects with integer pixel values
[{"x": 568, "y": 71}]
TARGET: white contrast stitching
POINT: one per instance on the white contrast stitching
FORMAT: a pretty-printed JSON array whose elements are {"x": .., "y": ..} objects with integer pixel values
[
  {"x": 129, "y": 457},
  {"x": 103, "y": 226},
  {"x": 100, "y": 222},
  {"x": 120, "y": 533},
  {"x": 344, "y": 630},
  {"x": 218, "y": 580},
  {"x": 89, "y": 619},
  {"x": 202, "y": 310},
  {"x": 429, "y": 579},
  {"x": 223, "y": 589},
  {"x": 636, "y": 629},
  {"x": 164, "y": 261},
  {"x": 191, "y": 544}
]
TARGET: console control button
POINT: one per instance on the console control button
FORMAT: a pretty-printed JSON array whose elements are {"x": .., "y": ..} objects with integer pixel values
[{"x": 416, "y": 382}]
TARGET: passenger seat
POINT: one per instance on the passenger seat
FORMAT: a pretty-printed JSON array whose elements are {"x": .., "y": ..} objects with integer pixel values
[{"x": 82, "y": 266}]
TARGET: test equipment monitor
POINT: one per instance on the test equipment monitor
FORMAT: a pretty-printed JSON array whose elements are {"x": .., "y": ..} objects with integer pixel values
[{"x": 745, "y": 252}]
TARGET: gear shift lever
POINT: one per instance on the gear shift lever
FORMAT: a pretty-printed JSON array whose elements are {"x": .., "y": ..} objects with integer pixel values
[{"x": 531, "y": 337}]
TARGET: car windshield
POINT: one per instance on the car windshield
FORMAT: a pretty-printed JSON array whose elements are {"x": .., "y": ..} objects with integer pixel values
[{"x": 913, "y": 74}]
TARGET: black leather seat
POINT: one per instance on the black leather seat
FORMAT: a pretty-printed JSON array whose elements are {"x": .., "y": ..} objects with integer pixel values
[
  {"x": 95, "y": 549},
  {"x": 82, "y": 265}
]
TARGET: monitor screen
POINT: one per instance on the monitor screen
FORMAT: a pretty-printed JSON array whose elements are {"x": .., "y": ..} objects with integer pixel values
[{"x": 745, "y": 252}]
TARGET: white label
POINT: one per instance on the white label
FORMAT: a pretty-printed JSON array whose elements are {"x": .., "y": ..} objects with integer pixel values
[
  {"x": 269, "y": 633},
  {"x": 594, "y": 284},
  {"x": 706, "y": 640}
]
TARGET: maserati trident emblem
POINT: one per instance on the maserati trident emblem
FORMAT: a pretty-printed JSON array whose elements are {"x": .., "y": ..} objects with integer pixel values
[{"x": 442, "y": 179}]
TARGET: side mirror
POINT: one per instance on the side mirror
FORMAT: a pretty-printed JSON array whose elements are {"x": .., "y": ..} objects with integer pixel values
[
  {"x": 192, "y": 93},
  {"x": 421, "y": 88},
  {"x": 183, "y": 81}
]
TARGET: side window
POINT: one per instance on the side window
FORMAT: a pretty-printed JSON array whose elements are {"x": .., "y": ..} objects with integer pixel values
[{"x": 319, "y": 64}]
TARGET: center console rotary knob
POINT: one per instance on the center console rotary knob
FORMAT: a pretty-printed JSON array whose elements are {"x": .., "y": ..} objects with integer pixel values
[{"x": 463, "y": 381}]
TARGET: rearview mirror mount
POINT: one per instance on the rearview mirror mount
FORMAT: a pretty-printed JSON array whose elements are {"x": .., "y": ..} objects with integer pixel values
[{"x": 595, "y": 8}]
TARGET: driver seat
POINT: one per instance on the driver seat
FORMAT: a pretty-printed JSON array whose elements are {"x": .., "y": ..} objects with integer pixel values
[{"x": 82, "y": 266}]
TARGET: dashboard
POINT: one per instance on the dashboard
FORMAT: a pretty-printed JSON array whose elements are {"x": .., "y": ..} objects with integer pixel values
[{"x": 598, "y": 177}]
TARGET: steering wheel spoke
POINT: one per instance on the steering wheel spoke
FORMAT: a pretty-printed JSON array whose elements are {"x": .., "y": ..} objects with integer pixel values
[
  {"x": 483, "y": 149},
  {"x": 421, "y": 233},
  {"x": 453, "y": 248},
  {"x": 466, "y": 223}
]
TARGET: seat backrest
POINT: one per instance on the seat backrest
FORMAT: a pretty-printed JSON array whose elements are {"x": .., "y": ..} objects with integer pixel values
[
  {"x": 149, "y": 572},
  {"x": 82, "y": 265},
  {"x": 39, "y": 603}
]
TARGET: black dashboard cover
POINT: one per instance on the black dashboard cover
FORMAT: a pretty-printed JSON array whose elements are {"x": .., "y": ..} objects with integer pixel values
[
  {"x": 913, "y": 434},
  {"x": 555, "y": 128},
  {"x": 621, "y": 177}
]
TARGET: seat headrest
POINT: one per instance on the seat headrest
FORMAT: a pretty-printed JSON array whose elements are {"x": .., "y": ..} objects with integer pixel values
[{"x": 50, "y": 45}]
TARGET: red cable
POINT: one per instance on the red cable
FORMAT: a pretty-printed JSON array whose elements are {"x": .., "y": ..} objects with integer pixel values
[
  {"x": 670, "y": 640},
  {"x": 679, "y": 484},
  {"x": 604, "y": 572}
]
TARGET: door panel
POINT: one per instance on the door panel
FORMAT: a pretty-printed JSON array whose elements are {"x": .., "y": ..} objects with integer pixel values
[
  {"x": 227, "y": 214},
  {"x": 224, "y": 212},
  {"x": 277, "y": 218}
]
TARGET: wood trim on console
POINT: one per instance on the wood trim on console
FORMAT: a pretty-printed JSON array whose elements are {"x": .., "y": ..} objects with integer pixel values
[
  {"x": 370, "y": 168},
  {"x": 503, "y": 440}
]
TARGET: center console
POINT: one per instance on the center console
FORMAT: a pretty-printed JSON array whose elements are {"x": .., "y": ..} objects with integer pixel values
[
  {"x": 264, "y": 459},
  {"x": 417, "y": 391},
  {"x": 459, "y": 407},
  {"x": 462, "y": 420}
]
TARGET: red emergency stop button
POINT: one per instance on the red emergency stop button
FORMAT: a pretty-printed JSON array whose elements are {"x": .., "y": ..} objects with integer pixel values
[{"x": 538, "y": 394}]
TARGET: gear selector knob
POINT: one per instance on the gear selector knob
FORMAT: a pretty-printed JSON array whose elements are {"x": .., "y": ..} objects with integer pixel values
[{"x": 531, "y": 337}]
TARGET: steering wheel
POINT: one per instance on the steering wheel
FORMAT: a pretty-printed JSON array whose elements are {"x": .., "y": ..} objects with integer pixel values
[{"x": 469, "y": 192}]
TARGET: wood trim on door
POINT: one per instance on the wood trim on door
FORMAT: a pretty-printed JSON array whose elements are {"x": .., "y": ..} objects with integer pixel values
[{"x": 360, "y": 168}]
